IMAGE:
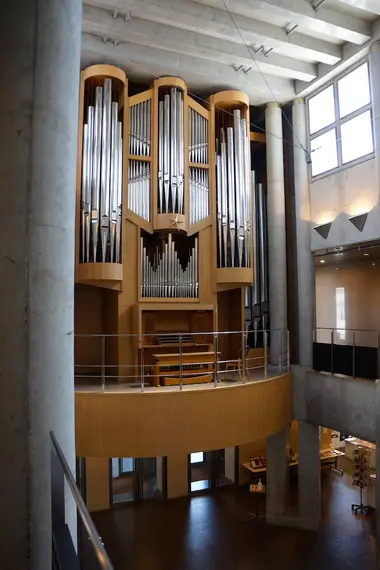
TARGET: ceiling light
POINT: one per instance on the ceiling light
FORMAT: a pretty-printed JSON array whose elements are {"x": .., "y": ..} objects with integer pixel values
[
  {"x": 373, "y": 263},
  {"x": 323, "y": 229},
  {"x": 366, "y": 254},
  {"x": 322, "y": 261},
  {"x": 359, "y": 221}
]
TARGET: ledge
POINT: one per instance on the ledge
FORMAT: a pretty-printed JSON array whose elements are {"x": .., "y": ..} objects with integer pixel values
[
  {"x": 161, "y": 422},
  {"x": 109, "y": 275}
]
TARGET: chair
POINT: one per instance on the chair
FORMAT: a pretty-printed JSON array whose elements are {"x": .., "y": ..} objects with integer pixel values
[{"x": 237, "y": 365}]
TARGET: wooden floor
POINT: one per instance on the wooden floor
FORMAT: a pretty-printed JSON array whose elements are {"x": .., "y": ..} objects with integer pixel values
[{"x": 212, "y": 532}]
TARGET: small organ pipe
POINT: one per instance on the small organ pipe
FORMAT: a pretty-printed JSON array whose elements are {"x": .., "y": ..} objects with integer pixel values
[
  {"x": 233, "y": 191},
  {"x": 102, "y": 167}
]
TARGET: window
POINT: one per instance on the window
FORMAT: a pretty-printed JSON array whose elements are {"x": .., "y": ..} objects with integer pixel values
[
  {"x": 196, "y": 457},
  {"x": 340, "y": 122},
  {"x": 340, "y": 305}
]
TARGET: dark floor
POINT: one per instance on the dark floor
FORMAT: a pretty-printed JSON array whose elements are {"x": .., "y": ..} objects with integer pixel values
[{"x": 212, "y": 532}]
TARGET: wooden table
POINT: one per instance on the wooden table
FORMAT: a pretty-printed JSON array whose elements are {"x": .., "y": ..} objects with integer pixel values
[
  {"x": 197, "y": 367},
  {"x": 327, "y": 457}
]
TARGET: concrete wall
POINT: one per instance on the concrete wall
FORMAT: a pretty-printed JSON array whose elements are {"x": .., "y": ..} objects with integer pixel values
[
  {"x": 335, "y": 198},
  {"x": 338, "y": 403},
  {"x": 361, "y": 283}
]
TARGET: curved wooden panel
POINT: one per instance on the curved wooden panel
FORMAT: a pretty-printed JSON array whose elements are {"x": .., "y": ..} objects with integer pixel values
[
  {"x": 86, "y": 272},
  {"x": 170, "y": 82},
  {"x": 151, "y": 424},
  {"x": 102, "y": 70},
  {"x": 228, "y": 98}
]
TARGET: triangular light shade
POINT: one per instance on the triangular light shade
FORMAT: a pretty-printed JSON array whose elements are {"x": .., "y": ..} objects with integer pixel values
[
  {"x": 359, "y": 221},
  {"x": 323, "y": 230}
]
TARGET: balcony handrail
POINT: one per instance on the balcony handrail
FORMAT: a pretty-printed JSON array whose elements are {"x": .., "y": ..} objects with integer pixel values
[
  {"x": 100, "y": 552},
  {"x": 346, "y": 330},
  {"x": 204, "y": 333}
]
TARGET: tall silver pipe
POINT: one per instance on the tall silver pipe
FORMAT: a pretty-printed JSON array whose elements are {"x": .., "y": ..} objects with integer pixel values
[
  {"x": 105, "y": 168},
  {"x": 114, "y": 172},
  {"x": 180, "y": 153},
  {"x": 95, "y": 186},
  {"x": 160, "y": 154},
  {"x": 223, "y": 151},
  {"x": 166, "y": 150},
  {"x": 232, "y": 210},
  {"x": 85, "y": 179}
]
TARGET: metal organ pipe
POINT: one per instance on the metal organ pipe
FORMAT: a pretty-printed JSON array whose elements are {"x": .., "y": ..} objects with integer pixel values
[
  {"x": 233, "y": 189},
  {"x": 164, "y": 275},
  {"x": 102, "y": 167}
]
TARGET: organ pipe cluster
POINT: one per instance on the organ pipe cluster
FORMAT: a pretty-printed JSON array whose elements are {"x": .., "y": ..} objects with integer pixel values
[
  {"x": 139, "y": 129},
  {"x": 102, "y": 167},
  {"x": 198, "y": 148},
  {"x": 198, "y": 186},
  {"x": 233, "y": 194},
  {"x": 170, "y": 152},
  {"x": 164, "y": 274},
  {"x": 139, "y": 188}
]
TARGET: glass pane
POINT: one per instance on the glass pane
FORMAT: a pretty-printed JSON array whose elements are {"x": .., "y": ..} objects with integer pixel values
[
  {"x": 123, "y": 480},
  {"x": 324, "y": 155},
  {"x": 196, "y": 457},
  {"x": 321, "y": 110},
  {"x": 199, "y": 472},
  {"x": 357, "y": 137},
  {"x": 354, "y": 91}
]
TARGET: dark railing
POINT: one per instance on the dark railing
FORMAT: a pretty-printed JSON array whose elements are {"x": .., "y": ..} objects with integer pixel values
[
  {"x": 354, "y": 353},
  {"x": 92, "y": 554}
]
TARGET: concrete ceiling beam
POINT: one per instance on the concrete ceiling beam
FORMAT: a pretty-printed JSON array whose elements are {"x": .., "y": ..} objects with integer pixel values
[
  {"x": 141, "y": 62},
  {"x": 351, "y": 55},
  {"x": 214, "y": 22},
  {"x": 325, "y": 20},
  {"x": 141, "y": 32},
  {"x": 366, "y": 5}
]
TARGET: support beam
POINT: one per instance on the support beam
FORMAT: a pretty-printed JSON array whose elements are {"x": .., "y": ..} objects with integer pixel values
[
  {"x": 325, "y": 21},
  {"x": 276, "y": 234},
  {"x": 277, "y": 476},
  {"x": 366, "y": 5},
  {"x": 217, "y": 23},
  {"x": 160, "y": 36},
  {"x": 140, "y": 61},
  {"x": 309, "y": 474}
]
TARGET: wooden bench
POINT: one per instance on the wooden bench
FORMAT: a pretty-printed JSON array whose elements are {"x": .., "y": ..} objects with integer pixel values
[{"x": 197, "y": 367}]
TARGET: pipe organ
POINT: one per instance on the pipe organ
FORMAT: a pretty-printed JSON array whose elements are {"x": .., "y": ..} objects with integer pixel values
[{"x": 163, "y": 206}]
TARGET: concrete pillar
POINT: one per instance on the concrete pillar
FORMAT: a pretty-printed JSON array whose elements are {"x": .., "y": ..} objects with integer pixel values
[
  {"x": 276, "y": 233},
  {"x": 177, "y": 475},
  {"x": 277, "y": 476},
  {"x": 304, "y": 279},
  {"x": 38, "y": 115},
  {"x": 309, "y": 475},
  {"x": 374, "y": 70}
]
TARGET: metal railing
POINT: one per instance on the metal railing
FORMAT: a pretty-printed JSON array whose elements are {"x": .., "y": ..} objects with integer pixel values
[
  {"x": 352, "y": 352},
  {"x": 60, "y": 471},
  {"x": 96, "y": 361}
]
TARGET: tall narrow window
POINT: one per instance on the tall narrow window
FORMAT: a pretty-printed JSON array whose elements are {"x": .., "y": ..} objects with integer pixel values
[
  {"x": 196, "y": 457},
  {"x": 340, "y": 305}
]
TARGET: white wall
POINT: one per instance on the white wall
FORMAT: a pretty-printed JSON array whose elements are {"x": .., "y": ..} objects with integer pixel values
[
  {"x": 362, "y": 301},
  {"x": 335, "y": 198}
]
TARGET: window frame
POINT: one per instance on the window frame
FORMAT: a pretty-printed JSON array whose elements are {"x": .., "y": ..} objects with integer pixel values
[{"x": 339, "y": 122}]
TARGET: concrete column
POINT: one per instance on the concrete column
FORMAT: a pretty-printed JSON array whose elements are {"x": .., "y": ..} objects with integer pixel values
[
  {"x": 276, "y": 233},
  {"x": 377, "y": 482},
  {"x": 374, "y": 69},
  {"x": 309, "y": 475},
  {"x": 277, "y": 476},
  {"x": 38, "y": 116},
  {"x": 177, "y": 475},
  {"x": 304, "y": 281}
]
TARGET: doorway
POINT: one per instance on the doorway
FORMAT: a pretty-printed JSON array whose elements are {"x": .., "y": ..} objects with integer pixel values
[
  {"x": 137, "y": 478},
  {"x": 211, "y": 469}
]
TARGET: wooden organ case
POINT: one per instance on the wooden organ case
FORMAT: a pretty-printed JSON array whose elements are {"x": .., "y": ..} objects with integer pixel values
[{"x": 160, "y": 178}]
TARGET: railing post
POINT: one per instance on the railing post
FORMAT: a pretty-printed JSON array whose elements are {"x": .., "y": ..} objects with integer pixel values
[
  {"x": 332, "y": 351},
  {"x": 215, "y": 360},
  {"x": 243, "y": 359},
  {"x": 180, "y": 362},
  {"x": 142, "y": 375},
  {"x": 281, "y": 351},
  {"x": 353, "y": 354},
  {"x": 103, "y": 361},
  {"x": 265, "y": 354},
  {"x": 288, "y": 350}
]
